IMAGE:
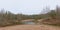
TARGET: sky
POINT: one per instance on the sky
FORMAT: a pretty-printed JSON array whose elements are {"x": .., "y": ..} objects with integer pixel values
[{"x": 27, "y": 6}]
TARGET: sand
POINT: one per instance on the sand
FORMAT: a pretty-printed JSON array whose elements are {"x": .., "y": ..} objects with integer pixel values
[{"x": 30, "y": 27}]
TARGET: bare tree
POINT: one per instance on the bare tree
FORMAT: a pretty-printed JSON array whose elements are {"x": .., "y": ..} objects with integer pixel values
[{"x": 45, "y": 10}]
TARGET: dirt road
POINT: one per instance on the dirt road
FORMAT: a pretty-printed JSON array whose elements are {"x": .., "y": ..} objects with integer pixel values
[{"x": 30, "y": 27}]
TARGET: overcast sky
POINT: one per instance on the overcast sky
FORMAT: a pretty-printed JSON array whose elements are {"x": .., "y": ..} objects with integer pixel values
[{"x": 27, "y": 6}]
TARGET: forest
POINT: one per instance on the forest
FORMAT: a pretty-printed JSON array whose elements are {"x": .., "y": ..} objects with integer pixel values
[{"x": 8, "y": 18}]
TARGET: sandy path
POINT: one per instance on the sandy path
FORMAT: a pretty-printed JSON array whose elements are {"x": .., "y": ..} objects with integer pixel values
[{"x": 30, "y": 27}]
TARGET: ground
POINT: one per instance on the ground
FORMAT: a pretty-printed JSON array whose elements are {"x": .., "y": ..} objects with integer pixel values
[{"x": 30, "y": 27}]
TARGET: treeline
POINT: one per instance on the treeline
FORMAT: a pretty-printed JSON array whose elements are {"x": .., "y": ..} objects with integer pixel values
[{"x": 8, "y": 18}]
